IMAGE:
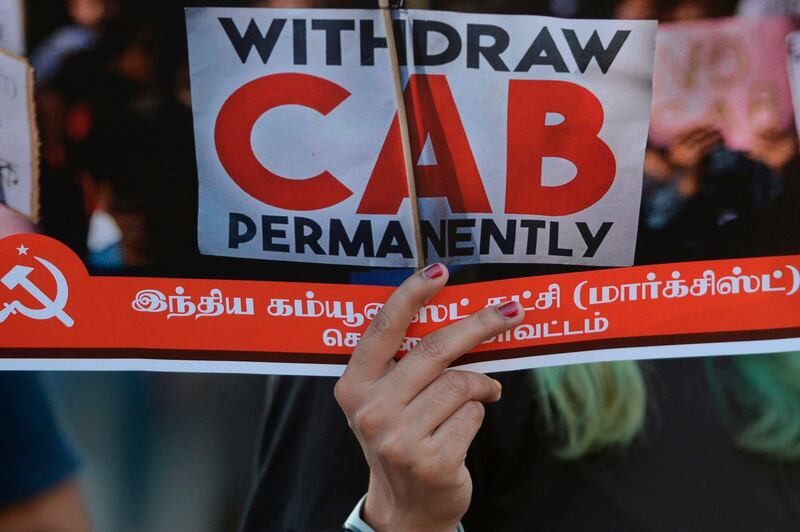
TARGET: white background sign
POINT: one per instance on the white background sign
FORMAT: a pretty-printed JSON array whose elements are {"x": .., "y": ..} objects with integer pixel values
[
  {"x": 12, "y": 26},
  {"x": 17, "y": 136},
  {"x": 528, "y": 133},
  {"x": 794, "y": 73}
]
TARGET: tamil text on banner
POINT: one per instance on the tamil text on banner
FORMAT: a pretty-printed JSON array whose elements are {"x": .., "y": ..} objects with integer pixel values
[
  {"x": 726, "y": 73},
  {"x": 54, "y": 316},
  {"x": 19, "y": 144},
  {"x": 527, "y": 136}
]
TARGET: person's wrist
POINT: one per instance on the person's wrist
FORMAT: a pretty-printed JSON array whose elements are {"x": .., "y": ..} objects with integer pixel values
[{"x": 384, "y": 517}]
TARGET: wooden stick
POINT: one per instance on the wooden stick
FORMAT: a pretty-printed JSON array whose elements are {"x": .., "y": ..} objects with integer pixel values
[{"x": 404, "y": 136}]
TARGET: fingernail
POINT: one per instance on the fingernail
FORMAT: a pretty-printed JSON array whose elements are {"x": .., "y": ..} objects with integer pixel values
[
  {"x": 434, "y": 271},
  {"x": 509, "y": 310}
]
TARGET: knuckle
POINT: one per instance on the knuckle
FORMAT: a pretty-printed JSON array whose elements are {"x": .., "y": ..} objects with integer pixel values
[
  {"x": 470, "y": 418},
  {"x": 368, "y": 421},
  {"x": 474, "y": 412},
  {"x": 436, "y": 471},
  {"x": 487, "y": 385},
  {"x": 395, "y": 450},
  {"x": 462, "y": 478},
  {"x": 485, "y": 323},
  {"x": 456, "y": 381},
  {"x": 340, "y": 389},
  {"x": 341, "y": 393},
  {"x": 381, "y": 326},
  {"x": 434, "y": 345},
  {"x": 414, "y": 291},
  {"x": 347, "y": 394}
]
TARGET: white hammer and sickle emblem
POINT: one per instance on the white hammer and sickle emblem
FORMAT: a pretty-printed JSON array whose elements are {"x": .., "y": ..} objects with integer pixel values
[{"x": 51, "y": 308}]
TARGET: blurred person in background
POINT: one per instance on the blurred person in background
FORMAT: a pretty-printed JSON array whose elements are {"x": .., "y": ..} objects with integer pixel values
[
  {"x": 686, "y": 10},
  {"x": 506, "y": 7},
  {"x": 146, "y": 174},
  {"x": 88, "y": 20},
  {"x": 284, "y": 4},
  {"x": 775, "y": 230},
  {"x": 122, "y": 85},
  {"x": 38, "y": 486},
  {"x": 38, "y": 468},
  {"x": 695, "y": 186},
  {"x": 118, "y": 146},
  {"x": 63, "y": 122},
  {"x": 766, "y": 8},
  {"x": 637, "y": 10}
]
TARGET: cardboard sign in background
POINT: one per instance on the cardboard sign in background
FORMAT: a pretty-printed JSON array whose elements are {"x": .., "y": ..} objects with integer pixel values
[
  {"x": 528, "y": 135},
  {"x": 19, "y": 140},
  {"x": 729, "y": 73},
  {"x": 12, "y": 26},
  {"x": 793, "y": 60}
]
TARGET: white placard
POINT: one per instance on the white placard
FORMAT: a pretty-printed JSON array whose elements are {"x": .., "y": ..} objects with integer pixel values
[
  {"x": 528, "y": 133},
  {"x": 18, "y": 137},
  {"x": 12, "y": 26},
  {"x": 793, "y": 41}
]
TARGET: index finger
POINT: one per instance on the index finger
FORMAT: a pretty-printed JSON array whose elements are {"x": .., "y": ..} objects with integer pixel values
[
  {"x": 423, "y": 364},
  {"x": 382, "y": 339},
  {"x": 690, "y": 133}
]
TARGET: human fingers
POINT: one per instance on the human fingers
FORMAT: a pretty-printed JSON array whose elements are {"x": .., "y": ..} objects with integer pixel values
[
  {"x": 769, "y": 134},
  {"x": 456, "y": 433},
  {"x": 687, "y": 134},
  {"x": 436, "y": 351},
  {"x": 709, "y": 133},
  {"x": 707, "y": 142},
  {"x": 381, "y": 341},
  {"x": 444, "y": 396},
  {"x": 701, "y": 133}
]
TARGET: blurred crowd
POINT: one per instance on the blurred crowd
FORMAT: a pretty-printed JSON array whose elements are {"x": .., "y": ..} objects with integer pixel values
[
  {"x": 117, "y": 153},
  {"x": 119, "y": 181},
  {"x": 118, "y": 171}
]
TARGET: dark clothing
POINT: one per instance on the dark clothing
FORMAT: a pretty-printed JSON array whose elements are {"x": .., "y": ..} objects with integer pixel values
[
  {"x": 33, "y": 455},
  {"x": 734, "y": 191},
  {"x": 775, "y": 231},
  {"x": 311, "y": 472},
  {"x": 683, "y": 473}
]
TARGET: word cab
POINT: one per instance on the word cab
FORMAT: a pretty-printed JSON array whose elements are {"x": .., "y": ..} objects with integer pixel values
[{"x": 527, "y": 136}]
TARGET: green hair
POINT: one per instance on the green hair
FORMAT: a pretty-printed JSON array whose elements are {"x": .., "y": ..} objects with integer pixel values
[
  {"x": 591, "y": 407},
  {"x": 762, "y": 397}
]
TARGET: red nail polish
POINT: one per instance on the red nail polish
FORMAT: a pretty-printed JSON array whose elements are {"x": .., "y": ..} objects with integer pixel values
[
  {"x": 434, "y": 271},
  {"x": 509, "y": 310}
]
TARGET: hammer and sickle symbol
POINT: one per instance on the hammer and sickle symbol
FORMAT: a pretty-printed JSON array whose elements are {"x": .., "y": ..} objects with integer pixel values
[{"x": 51, "y": 308}]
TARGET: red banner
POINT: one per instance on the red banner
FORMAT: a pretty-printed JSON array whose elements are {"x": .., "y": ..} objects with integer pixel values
[{"x": 53, "y": 315}]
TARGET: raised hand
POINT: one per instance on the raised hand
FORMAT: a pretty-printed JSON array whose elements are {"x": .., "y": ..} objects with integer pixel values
[{"x": 414, "y": 418}]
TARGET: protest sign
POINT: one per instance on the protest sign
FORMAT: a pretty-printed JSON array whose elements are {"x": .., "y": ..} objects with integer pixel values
[
  {"x": 12, "y": 26},
  {"x": 793, "y": 43},
  {"x": 19, "y": 142},
  {"x": 55, "y": 316},
  {"x": 727, "y": 73},
  {"x": 527, "y": 134}
]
